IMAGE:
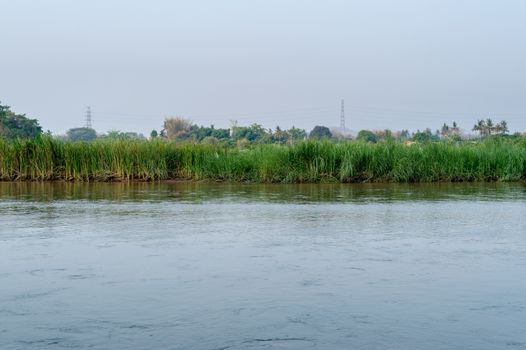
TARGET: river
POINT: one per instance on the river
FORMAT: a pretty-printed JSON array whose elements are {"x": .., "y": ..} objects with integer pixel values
[{"x": 219, "y": 266}]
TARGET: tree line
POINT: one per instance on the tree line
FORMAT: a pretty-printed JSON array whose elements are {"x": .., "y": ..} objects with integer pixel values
[
  {"x": 180, "y": 129},
  {"x": 13, "y": 126}
]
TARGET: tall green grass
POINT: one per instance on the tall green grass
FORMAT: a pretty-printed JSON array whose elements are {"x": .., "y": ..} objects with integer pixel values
[{"x": 311, "y": 161}]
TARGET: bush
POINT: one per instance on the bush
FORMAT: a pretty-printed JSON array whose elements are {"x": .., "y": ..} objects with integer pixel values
[
  {"x": 81, "y": 134},
  {"x": 367, "y": 136},
  {"x": 320, "y": 133}
]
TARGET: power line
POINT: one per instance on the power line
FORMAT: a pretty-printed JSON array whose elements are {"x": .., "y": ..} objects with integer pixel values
[
  {"x": 358, "y": 108},
  {"x": 223, "y": 115},
  {"x": 361, "y": 114}
]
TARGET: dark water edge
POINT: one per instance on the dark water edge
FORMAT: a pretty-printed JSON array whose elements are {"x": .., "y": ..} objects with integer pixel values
[
  {"x": 191, "y": 266},
  {"x": 296, "y": 193}
]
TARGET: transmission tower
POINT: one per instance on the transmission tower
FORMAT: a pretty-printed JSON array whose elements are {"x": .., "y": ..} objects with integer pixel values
[
  {"x": 88, "y": 117},
  {"x": 342, "y": 117}
]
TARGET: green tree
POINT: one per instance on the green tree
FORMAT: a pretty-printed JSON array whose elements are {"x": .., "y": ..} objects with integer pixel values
[
  {"x": 220, "y": 134},
  {"x": 253, "y": 134},
  {"x": 115, "y": 135},
  {"x": 384, "y": 135},
  {"x": 424, "y": 136},
  {"x": 502, "y": 128},
  {"x": 487, "y": 127},
  {"x": 405, "y": 135},
  {"x": 297, "y": 134},
  {"x": 14, "y": 125},
  {"x": 81, "y": 134},
  {"x": 444, "y": 131},
  {"x": 320, "y": 132},
  {"x": 119, "y": 135},
  {"x": 280, "y": 136},
  {"x": 455, "y": 137},
  {"x": 367, "y": 136},
  {"x": 480, "y": 127},
  {"x": 199, "y": 133},
  {"x": 154, "y": 134},
  {"x": 210, "y": 140}
]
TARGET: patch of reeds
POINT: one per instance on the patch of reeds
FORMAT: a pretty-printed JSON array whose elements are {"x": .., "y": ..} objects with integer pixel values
[{"x": 45, "y": 158}]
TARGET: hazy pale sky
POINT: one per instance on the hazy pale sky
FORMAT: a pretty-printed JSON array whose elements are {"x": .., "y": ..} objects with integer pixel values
[{"x": 398, "y": 64}]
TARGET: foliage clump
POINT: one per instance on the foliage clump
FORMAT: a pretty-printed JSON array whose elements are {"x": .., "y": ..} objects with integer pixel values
[
  {"x": 81, "y": 134},
  {"x": 320, "y": 133},
  {"x": 17, "y": 126}
]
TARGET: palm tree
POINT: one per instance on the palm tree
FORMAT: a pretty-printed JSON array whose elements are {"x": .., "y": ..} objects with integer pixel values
[
  {"x": 502, "y": 128},
  {"x": 445, "y": 130},
  {"x": 489, "y": 126},
  {"x": 480, "y": 127},
  {"x": 486, "y": 127}
]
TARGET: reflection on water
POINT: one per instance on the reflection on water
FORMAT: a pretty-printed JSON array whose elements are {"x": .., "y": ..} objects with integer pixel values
[
  {"x": 195, "y": 192},
  {"x": 220, "y": 266}
]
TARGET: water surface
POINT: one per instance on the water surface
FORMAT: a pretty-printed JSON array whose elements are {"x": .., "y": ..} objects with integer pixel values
[{"x": 217, "y": 266}]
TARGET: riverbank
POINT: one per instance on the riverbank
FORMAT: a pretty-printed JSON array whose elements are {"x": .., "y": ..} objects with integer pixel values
[{"x": 46, "y": 159}]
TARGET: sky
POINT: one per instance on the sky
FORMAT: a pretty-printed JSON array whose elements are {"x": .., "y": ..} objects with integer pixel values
[{"x": 405, "y": 64}]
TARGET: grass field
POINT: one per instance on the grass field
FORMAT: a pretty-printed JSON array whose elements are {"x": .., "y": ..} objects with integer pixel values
[{"x": 310, "y": 161}]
